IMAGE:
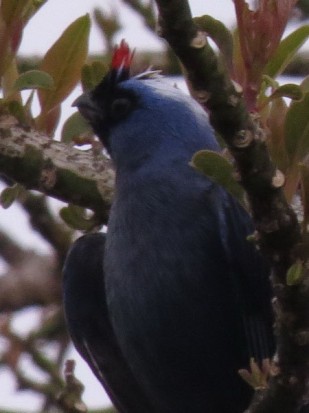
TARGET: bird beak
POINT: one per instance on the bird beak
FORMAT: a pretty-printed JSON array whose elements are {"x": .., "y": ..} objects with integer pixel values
[{"x": 87, "y": 108}]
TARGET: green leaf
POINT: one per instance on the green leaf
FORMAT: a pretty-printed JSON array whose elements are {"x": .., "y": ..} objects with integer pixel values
[
  {"x": 286, "y": 51},
  {"x": 303, "y": 5},
  {"x": 275, "y": 125},
  {"x": 92, "y": 75},
  {"x": 295, "y": 273},
  {"x": 12, "y": 10},
  {"x": 34, "y": 8},
  {"x": 17, "y": 110},
  {"x": 219, "y": 33},
  {"x": 219, "y": 170},
  {"x": 75, "y": 126},
  {"x": 305, "y": 85},
  {"x": 34, "y": 79},
  {"x": 269, "y": 82},
  {"x": 288, "y": 90},
  {"x": 9, "y": 194},
  {"x": 297, "y": 129},
  {"x": 64, "y": 61},
  {"x": 75, "y": 217},
  {"x": 50, "y": 121},
  {"x": 10, "y": 33}
]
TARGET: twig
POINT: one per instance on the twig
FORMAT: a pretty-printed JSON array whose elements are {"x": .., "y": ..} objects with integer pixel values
[
  {"x": 41, "y": 361},
  {"x": 70, "y": 398}
]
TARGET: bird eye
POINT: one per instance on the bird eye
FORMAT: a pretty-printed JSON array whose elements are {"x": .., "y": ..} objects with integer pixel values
[{"x": 120, "y": 107}]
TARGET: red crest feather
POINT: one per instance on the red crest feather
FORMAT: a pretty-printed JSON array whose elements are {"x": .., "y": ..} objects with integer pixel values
[{"x": 122, "y": 56}]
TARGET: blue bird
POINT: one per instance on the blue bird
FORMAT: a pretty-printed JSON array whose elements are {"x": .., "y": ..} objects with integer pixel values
[
  {"x": 90, "y": 327},
  {"x": 186, "y": 296}
]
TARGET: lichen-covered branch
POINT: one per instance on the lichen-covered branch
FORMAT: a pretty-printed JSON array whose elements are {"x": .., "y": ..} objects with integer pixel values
[
  {"x": 35, "y": 280},
  {"x": 278, "y": 230},
  {"x": 44, "y": 222},
  {"x": 31, "y": 279},
  {"x": 16, "y": 347},
  {"x": 10, "y": 251},
  {"x": 211, "y": 86},
  {"x": 34, "y": 160}
]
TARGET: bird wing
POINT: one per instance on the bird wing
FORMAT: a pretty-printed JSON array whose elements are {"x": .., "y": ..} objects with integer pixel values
[
  {"x": 251, "y": 283},
  {"x": 90, "y": 327}
]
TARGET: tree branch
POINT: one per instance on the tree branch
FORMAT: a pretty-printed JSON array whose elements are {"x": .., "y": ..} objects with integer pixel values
[
  {"x": 58, "y": 170},
  {"x": 212, "y": 88},
  {"x": 277, "y": 225},
  {"x": 35, "y": 280},
  {"x": 44, "y": 222},
  {"x": 10, "y": 251}
]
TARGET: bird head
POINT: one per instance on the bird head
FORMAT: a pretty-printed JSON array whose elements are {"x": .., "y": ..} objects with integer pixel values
[{"x": 137, "y": 117}]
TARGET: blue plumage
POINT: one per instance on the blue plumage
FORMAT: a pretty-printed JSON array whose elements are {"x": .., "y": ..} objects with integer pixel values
[
  {"x": 187, "y": 295},
  {"x": 89, "y": 325}
]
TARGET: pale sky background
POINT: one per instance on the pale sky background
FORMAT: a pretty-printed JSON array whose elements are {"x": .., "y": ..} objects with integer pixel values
[
  {"x": 40, "y": 34},
  {"x": 53, "y": 18}
]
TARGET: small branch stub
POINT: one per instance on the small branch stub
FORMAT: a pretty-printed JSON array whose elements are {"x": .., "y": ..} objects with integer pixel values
[
  {"x": 278, "y": 179},
  {"x": 243, "y": 139},
  {"x": 199, "y": 41},
  {"x": 70, "y": 398}
]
